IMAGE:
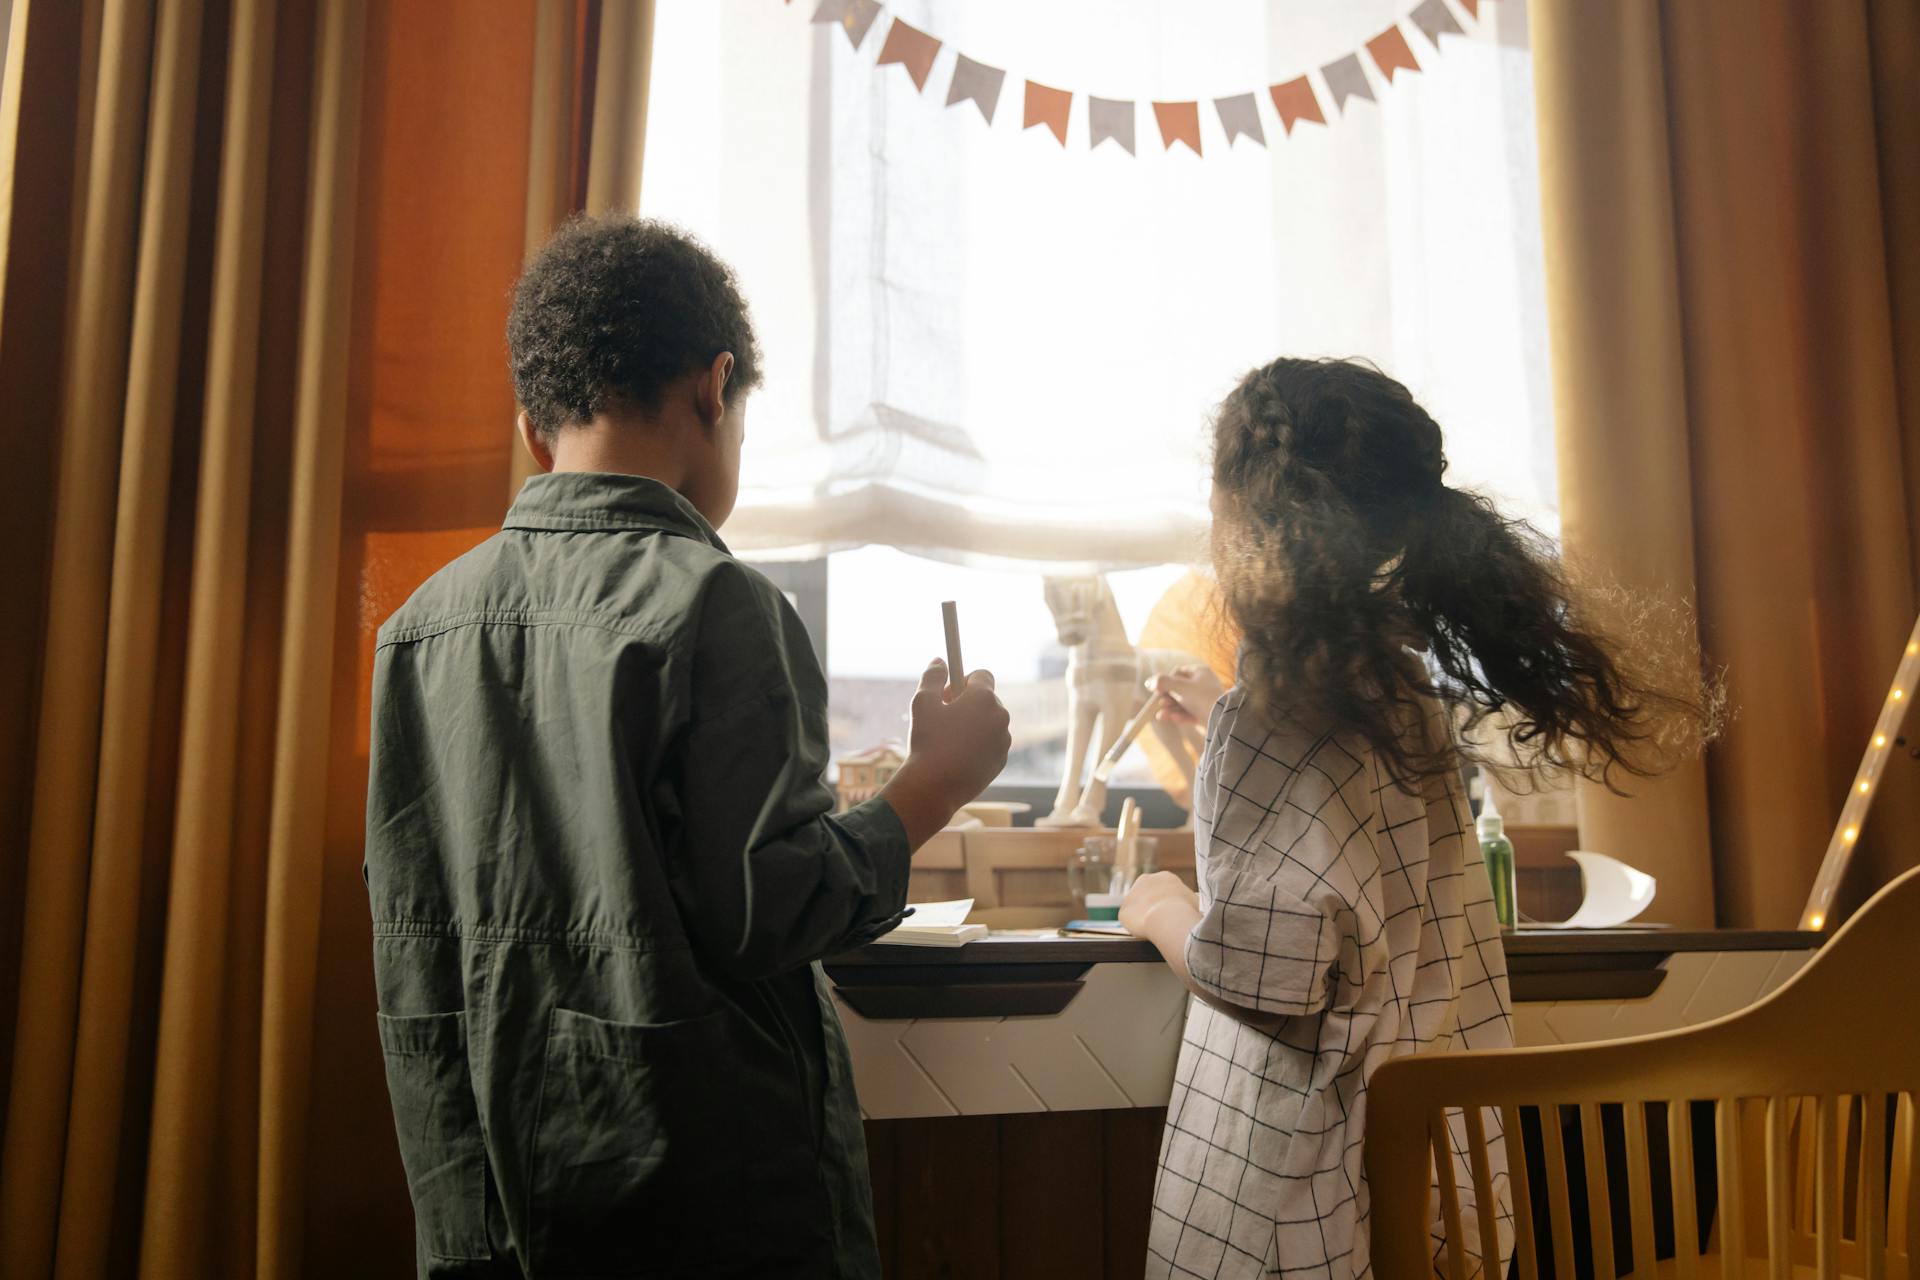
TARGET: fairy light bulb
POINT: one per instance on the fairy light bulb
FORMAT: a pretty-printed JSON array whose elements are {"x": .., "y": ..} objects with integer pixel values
[
  {"x": 1818, "y": 920},
  {"x": 1850, "y": 834},
  {"x": 1879, "y": 739},
  {"x": 1863, "y": 786},
  {"x": 1897, "y": 695}
]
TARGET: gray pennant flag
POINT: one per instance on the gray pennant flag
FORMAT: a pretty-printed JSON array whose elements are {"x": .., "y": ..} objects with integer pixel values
[
  {"x": 856, "y": 17},
  {"x": 1240, "y": 115},
  {"x": 1110, "y": 118},
  {"x": 978, "y": 83},
  {"x": 1347, "y": 79},
  {"x": 1436, "y": 20}
]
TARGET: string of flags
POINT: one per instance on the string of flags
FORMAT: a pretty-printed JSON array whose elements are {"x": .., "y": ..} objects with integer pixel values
[{"x": 1295, "y": 102}]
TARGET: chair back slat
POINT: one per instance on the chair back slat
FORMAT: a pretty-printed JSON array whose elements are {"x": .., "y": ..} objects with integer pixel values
[
  {"x": 1801, "y": 1125},
  {"x": 1639, "y": 1188},
  {"x": 1449, "y": 1194},
  {"x": 1486, "y": 1200},
  {"x": 1779, "y": 1153},
  {"x": 1849, "y": 1170},
  {"x": 1593, "y": 1146},
  {"x": 1733, "y": 1194},
  {"x": 1559, "y": 1211},
  {"x": 1906, "y": 1218},
  {"x": 1523, "y": 1242},
  {"x": 1686, "y": 1222},
  {"x": 1826, "y": 1184},
  {"x": 1873, "y": 1184}
]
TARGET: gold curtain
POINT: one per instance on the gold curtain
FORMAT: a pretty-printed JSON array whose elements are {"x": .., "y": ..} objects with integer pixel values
[
  {"x": 1732, "y": 228},
  {"x": 251, "y": 345}
]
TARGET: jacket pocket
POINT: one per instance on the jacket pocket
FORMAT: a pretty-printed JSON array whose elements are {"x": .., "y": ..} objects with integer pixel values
[
  {"x": 669, "y": 1149},
  {"x": 438, "y": 1123}
]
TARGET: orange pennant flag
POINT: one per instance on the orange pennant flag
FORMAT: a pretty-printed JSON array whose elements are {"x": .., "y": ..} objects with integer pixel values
[
  {"x": 912, "y": 48},
  {"x": 1295, "y": 102},
  {"x": 1048, "y": 107},
  {"x": 1390, "y": 51},
  {"x": 1179, "y": 122}
]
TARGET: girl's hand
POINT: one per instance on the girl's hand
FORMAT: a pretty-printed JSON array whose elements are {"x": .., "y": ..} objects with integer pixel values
[
  {"x": 1191, "y": 692},
  {"x": 1149, "y": 895}
]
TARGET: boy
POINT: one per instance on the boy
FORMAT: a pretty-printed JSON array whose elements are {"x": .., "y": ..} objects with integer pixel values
[{"x": 601, "y": 859}]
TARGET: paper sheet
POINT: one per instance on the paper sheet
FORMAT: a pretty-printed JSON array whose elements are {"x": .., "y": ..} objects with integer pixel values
[{"x": 938, "y": 914}]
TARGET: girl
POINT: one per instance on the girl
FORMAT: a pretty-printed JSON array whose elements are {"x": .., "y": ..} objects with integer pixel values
[{"x": 1344, "y": 915}]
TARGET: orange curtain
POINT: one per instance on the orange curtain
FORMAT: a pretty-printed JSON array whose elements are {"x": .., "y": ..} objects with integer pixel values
[
  {"x": 1732, "y": 223},
  {"x": 435, "y": 462},
  {"x": 251, "y": 343}
]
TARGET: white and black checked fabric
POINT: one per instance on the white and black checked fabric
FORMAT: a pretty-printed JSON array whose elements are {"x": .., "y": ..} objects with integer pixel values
[{"x": 1364, "y": 913}]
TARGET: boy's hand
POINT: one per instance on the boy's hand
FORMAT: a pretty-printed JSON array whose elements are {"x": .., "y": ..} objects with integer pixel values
[{"x": 957, "y": 746}]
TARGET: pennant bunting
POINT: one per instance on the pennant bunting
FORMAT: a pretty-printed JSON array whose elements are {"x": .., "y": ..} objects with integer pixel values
[
  {"x": 978, "y": 83},
  {"x": 1435, "y": 20},
  {"x": 1391, "y": 51},
  {"x": 1346, "y": 78},
  {"x": 1048, "y": 107},
  {"x": 1296, "y": 103},
  {"x": 1110, "y": 118},
  {"x": 912, "y": 48},
  {"x": 1240, "y": 117},
  {"x": 1179, "y": 122},
  {"x": 855, "y": 17}
]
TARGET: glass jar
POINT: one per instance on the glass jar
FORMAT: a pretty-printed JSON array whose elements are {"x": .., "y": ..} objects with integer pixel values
[{"x": 1091, "y": 870}]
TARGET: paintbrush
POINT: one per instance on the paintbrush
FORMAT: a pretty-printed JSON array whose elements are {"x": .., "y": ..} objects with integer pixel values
[{"x": 1110, "y": 761}]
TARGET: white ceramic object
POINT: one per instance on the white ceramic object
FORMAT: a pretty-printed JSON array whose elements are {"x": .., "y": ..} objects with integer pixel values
[{"x": 1611, "y": 892}]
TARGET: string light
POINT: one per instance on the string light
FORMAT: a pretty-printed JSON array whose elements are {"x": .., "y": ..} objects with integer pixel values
[{"x": 1853, "y": 814}]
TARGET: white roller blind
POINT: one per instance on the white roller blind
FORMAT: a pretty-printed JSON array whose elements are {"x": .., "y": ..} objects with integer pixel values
[{"x": 986, "y": 347}]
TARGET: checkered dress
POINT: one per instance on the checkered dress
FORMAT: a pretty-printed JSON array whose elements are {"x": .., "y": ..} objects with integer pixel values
[{"x": 1364, "y": 913}]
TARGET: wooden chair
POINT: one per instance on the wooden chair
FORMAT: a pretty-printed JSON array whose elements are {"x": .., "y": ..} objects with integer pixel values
[{"x": 1812, "y": 1178}]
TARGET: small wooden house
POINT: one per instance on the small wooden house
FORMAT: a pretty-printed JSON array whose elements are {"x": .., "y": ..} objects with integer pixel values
[{"x": 864, "y": 773}]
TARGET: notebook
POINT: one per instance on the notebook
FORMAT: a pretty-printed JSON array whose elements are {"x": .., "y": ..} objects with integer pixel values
[
  {"x": 936, "y": 924},
  {"x": 1096, "y": 928}
]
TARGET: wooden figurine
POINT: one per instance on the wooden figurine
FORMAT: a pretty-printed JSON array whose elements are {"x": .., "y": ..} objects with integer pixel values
[{"x": 1106, "y": 686}]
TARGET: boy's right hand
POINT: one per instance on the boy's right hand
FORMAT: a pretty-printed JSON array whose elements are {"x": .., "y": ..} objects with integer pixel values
[{"x": 956, "y": 748}]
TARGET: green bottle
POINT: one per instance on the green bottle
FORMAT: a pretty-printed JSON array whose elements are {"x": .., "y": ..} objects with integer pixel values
[{"x": 1497, "y": 850}]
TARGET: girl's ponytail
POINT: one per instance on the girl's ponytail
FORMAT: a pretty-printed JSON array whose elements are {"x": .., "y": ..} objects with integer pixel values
[{"x": 1338, "y": 544}]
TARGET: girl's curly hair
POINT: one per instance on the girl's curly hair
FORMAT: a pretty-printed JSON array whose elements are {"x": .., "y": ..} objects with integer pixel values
[{"x": 1339, "y": 545}]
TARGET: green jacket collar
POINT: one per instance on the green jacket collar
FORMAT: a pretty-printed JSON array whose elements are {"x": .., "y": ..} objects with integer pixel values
[{"x": 605, "y": 501}]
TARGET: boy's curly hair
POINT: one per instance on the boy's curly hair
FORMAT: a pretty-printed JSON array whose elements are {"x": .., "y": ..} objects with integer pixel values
[
  {"x": 611, "y": 311},
  {"x": 1338, "y": 545}
]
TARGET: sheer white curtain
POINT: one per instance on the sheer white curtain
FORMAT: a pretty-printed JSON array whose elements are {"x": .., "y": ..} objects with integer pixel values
[{"x": 985, "y": 347}]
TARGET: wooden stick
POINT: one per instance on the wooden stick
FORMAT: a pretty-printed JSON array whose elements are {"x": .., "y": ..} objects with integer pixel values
[
  {"x": 1127, "y": 840},
  {"x": 956, "y": 673},
  {"x": 1111, "y": 760}
]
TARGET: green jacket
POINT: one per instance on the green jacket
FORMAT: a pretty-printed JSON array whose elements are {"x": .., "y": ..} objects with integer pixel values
[{"x": 602, "y": 867}]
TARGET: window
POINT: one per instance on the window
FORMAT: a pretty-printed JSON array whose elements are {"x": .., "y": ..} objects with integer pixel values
[{"x": 991, "y": 356}]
